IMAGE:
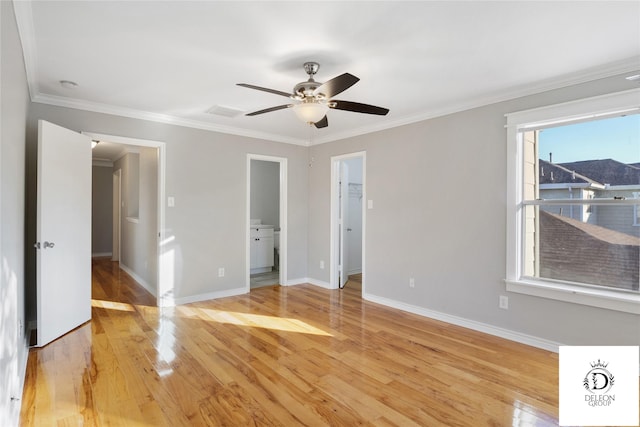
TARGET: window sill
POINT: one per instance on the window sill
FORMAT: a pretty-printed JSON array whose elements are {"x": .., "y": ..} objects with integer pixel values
[{"x": 602, "y": 298}]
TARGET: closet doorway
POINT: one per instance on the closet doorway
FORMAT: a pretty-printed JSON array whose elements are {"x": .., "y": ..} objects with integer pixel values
[
  {"x": 266, "y": 220},
  {"x": 347, "y": 220}
]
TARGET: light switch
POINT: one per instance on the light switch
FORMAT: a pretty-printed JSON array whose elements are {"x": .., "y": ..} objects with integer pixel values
[
  {"x": 171, "y": 202},
  {"x": 369, "y": 204}
]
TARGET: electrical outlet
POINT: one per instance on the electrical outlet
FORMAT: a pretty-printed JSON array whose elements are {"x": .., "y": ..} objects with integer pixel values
[
  {"x": 221, "y": 272},
  {"x": 504, "y": 302},
  {"x": 321, "y": 264},
  {"x": 412, "y": 282}
]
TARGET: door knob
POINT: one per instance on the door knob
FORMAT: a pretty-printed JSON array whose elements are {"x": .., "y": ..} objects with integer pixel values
[{"x": 48, "y": 245}]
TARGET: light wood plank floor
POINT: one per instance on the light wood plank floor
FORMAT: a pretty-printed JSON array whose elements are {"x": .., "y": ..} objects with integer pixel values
[{"x": 284, "y": 356}]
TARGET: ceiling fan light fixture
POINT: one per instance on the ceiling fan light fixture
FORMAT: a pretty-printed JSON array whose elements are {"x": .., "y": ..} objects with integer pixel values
[{"x": 310, "y": 112}]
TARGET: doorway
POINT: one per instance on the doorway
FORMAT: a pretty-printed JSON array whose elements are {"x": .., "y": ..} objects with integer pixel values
[
  {"x": 266, "y": 221},
  {"x": 348, "y": 193},
  {"x": 150, "y": 269}
]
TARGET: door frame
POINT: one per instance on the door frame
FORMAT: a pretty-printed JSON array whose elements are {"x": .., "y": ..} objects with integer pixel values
[
  {"x": 164, "y": 281},
  {"x": 117, "y": 214},
  {"x": 283, "y": 203},
  {"x": 335, "y": 227}
]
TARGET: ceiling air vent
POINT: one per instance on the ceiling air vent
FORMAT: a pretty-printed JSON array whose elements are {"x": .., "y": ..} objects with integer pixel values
[{"x": 221, "y": 110}]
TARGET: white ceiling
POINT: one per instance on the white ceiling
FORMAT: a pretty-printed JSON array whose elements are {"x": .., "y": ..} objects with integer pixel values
[{"x": 171, "y": 61}]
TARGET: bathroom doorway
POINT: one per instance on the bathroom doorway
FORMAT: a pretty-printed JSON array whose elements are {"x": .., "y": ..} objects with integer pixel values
[
  {"x": 266, "y": 221},
  {"x": 347, "y": 221}
]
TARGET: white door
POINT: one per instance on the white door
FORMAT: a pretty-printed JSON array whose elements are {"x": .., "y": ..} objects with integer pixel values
[
  {"x": 343, "y": 220},
  {"x": 63, "y": 260}
]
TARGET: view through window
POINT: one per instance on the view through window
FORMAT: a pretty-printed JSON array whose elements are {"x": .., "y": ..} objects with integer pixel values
[{"x": 581, "y": 201}]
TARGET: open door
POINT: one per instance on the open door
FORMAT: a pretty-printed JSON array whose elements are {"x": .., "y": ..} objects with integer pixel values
[
  {"x": 343, "y": 200},
  {"x": 63, "y": 259}
]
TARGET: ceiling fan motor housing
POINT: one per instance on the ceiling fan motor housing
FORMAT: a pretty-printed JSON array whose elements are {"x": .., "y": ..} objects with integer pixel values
[{"x": 304, "y": 90}]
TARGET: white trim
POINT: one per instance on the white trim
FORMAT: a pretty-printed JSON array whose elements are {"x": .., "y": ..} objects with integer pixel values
[
  {"x": 140, "y": 280},
  {"x": 564, "y": 81},
  {"x": 24, "y": 22},
  {"x": 578, "y": 110},
  {"x": 603, "y": 298},
  {"x": 205, "y": 297},
  {"x": 101, "y": 254},
  {"x": 295, "y": 282},
  {"x": 320, "y": 283},
  {"x": 164, "y": 285},
  {"x": 283, "y": 208},
  {"x": 334, "y": 240},
  {"x": 102, "y": 163},
  {"x": 97, "y": 107},
  {"x": 24, "y": 18},
  {"x": 466, "y": 323},
  {"x": 309, "y": 281}
]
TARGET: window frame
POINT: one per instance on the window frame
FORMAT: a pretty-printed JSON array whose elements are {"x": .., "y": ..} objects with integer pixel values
[{"x": 599, "y": 107}]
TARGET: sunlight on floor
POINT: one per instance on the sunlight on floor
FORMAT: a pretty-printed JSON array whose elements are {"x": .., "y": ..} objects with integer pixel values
[
  {"x": 253, "y": 320},
  {"x": 111, "y": 305}
]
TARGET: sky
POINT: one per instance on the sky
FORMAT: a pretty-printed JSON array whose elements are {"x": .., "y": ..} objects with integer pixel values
[{"x": 616, "y": 138}]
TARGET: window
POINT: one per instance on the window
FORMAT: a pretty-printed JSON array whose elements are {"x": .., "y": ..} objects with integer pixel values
[{"x": 571, "y": 208}]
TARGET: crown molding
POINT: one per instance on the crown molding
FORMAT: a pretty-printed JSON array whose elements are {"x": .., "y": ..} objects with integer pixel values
[
  {"x": 24, "y": 19},
  {"x": 609, "y": 70},
  {"x": 26, "y": 32},
  {"x": 96, "y": 107},
  {"x": 106, "y": 163}
]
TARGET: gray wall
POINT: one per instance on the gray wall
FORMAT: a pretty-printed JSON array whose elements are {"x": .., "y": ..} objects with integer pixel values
[
  {"x": 206, "y": 174},
  {"x": 101, "y": 210},
  {"x": 439, "y": 192},
  {"x": 265, "y": 192},
  {"x": 138, "y": 245},
  {"x": 14, "y": 106}
]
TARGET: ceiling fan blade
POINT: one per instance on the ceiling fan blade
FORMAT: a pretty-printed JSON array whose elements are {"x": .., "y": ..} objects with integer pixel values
[
  {"x": 323, "y": 123},
  {"x": 265, "y": 89},
  {"x": 268, "y": 110},
  {"x": 337, "y": 85},
  {"x": 357, "y": 107}
]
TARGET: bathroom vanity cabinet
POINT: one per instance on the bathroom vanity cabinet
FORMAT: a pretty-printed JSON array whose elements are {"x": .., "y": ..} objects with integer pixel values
[{"x": 261, "y": 248}]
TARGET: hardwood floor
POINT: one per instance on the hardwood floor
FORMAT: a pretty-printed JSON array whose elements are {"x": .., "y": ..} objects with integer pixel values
[{"x": 286, "y": 356}]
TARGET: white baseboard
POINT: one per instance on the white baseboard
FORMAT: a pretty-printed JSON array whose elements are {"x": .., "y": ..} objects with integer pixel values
[
  {"x": 320, "y": 283},
  {"x": 204, "y": 297},
  {"x": 356, "y": 271},
  {"x": 140, "y": 280},
  {"x": 466, "y": 323},
  {"x": 294, "y": 282},
  {"x": 309, "y": 281},
  {"x": 101, "y": 254}
]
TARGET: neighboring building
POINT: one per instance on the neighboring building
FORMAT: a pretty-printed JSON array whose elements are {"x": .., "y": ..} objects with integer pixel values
[
  {"x": 593, "y": 179},
  {"x": 576, "y": 251}
]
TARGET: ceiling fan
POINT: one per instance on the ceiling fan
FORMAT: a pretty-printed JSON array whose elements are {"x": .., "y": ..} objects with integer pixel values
[{"x": 313, "y": 99}]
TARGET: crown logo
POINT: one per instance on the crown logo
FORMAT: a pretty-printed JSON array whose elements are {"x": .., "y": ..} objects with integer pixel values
[{"x": 599, "y": 364}]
